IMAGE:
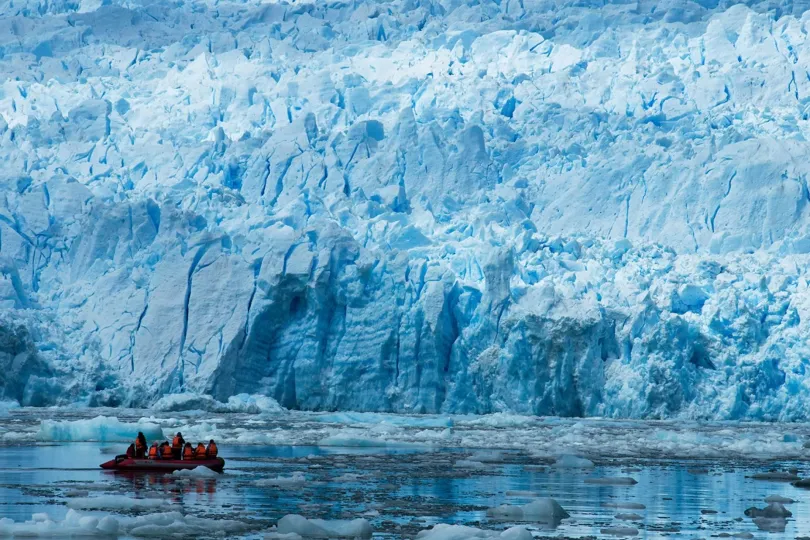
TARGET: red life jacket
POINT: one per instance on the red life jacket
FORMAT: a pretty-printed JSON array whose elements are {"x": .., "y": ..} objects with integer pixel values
[{"x": 153, "y": 452}]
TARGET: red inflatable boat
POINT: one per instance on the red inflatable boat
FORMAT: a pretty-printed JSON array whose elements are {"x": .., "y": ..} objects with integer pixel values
[{"x": 123, "y": 463}]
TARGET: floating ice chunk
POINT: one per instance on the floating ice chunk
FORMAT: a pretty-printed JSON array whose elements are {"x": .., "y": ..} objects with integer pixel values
[
  {"x": 80, "y": 525},
  {"x": 348, "y": 477},
  {"x": 773, "y": 510},
  {"x": 544, "y": 510},
  {"x": 629, "y": 517},
  {"x": 357, "y": 438},
  {"x": 75, "y": 524},
  {"x": 350, "y": 418},
  {"x": 568, "y": 461},
  {"x": 779, "y": 499},
  {"x": 100, "y": 428},
  {"x": 625, "y": 505},
  {"x": 620, "y": 531},
  {"x": 521, "y": 493},
  {"x": 297, "y": 479},
  {"x": 776, "y": 524},
  {"x": 461, "y": 532},
  {"x": 516, "y": 533},
  {"x": 802, "y": 483},
  {"x": 488, "y": 456},
  {"x": 469, "y": 464},
  {"x": 197, "y": 472},
  {"x": 612, "y": 481},
  {"x": 319, "y": 528},
  {"x": 6, "y": 406},
  {"x": 776, "y": 476},
  {"x": 116, "y": 502},
  {"x": 168, "y": 524},
  {"x": 253, "y": 402},
  {"x": 241, "y": 403}
]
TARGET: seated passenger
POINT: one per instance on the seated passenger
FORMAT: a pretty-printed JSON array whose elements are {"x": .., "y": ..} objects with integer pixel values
[
  {"x": 199, "y": 452},
  {"x": 211, "y": 451},
  {"x": 140, "y": 446},
  {"x": 165, "y": 450},
  {"x": 131, "y": 451},
  {"x": 188, "y": 451},
  {"x": 153, "y": 451},
  {"x": 177, "y": 445}
]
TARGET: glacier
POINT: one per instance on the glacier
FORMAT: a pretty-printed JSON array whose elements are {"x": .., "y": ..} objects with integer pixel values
[{"x": 538, "y": 207}]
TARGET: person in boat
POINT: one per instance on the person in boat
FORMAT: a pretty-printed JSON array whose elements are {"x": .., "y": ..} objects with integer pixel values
[
  {"x": 140, "y": 445},
  {"x": 199, "y": 452},
  {"x": 177, "y": 445},
  {"x": 165, "y": 450},
  {"x": 131, "y": 451},
  {"x": 153, "y": 451},
  {"x": 188, "y": 451},
  {"x": 211, "y": 451}
]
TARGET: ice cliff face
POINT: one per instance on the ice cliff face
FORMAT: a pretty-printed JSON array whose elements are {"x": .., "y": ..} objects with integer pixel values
[{"x": 412, "y": 205}]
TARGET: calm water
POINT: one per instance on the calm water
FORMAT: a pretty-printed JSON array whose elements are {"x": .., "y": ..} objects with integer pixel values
[{"x": 404, "y": 491}]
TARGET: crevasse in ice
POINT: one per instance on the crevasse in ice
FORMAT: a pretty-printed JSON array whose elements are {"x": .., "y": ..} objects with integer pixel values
[{"x": 543, "y": 207}]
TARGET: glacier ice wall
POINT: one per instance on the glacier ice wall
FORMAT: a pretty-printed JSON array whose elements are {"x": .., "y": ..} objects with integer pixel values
[{"x": 540, "y": 206}]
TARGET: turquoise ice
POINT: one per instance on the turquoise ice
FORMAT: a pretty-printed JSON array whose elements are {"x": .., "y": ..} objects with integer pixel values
[{"x": 538, "y": 207}]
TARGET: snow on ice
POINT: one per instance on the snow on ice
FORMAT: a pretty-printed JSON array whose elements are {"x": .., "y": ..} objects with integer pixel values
[
  {"x": 491, "y": 439},
  {"x": 424, "y": 206},
  {"x": 294, "y": 524},
  {"x": 81, "y": 525}
]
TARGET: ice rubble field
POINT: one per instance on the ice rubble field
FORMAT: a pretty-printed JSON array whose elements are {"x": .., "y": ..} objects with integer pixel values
[
  {"x": 532, "y": 207},
  {"x": 559, "y": 439}
]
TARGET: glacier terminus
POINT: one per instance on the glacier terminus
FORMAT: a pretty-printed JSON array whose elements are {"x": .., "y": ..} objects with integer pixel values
[{"x": 538, "y": 207}]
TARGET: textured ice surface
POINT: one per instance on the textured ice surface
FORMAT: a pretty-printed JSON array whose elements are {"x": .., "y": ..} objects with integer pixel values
[
  {"x": 541, "y": 510},
  {"x": 117, "y": 502},
  {"x": 531, "y": 206},
  {"x": 461, "y": 532},
  {"x": 319, "y": 528},
  {"x": 100, "y": 428},
  {"x": 490, "y": 436},
  {"x": 85, "y": 525},
  {"x": 572, "y": 462},
  {"x": 242, "y": 403}
]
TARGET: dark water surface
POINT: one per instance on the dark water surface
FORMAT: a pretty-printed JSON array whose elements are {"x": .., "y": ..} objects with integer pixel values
[{"x": 403, "y": 491}]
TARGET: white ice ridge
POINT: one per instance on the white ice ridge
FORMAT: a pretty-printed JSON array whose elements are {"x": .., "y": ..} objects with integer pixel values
[
  {"x": 493, "y": 439},
  {"x": 568, "y": 208},
  {"x": 87, "y": 525}
]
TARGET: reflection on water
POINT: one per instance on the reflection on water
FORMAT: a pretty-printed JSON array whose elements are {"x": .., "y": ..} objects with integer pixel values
[{"x": 404, "y": 491}]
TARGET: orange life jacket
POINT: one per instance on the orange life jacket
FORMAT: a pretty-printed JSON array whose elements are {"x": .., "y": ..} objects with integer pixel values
[
  {"x": 177, "y": 442},
  {"x": 212, "y": 450},
  {"x": 199, "y": 453},
  {"x": 139, "y": 445},
  {"x": 188, "y": 452},
  {"x": 153, "y": 452},
  {"x": 165, "y": 451}
]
